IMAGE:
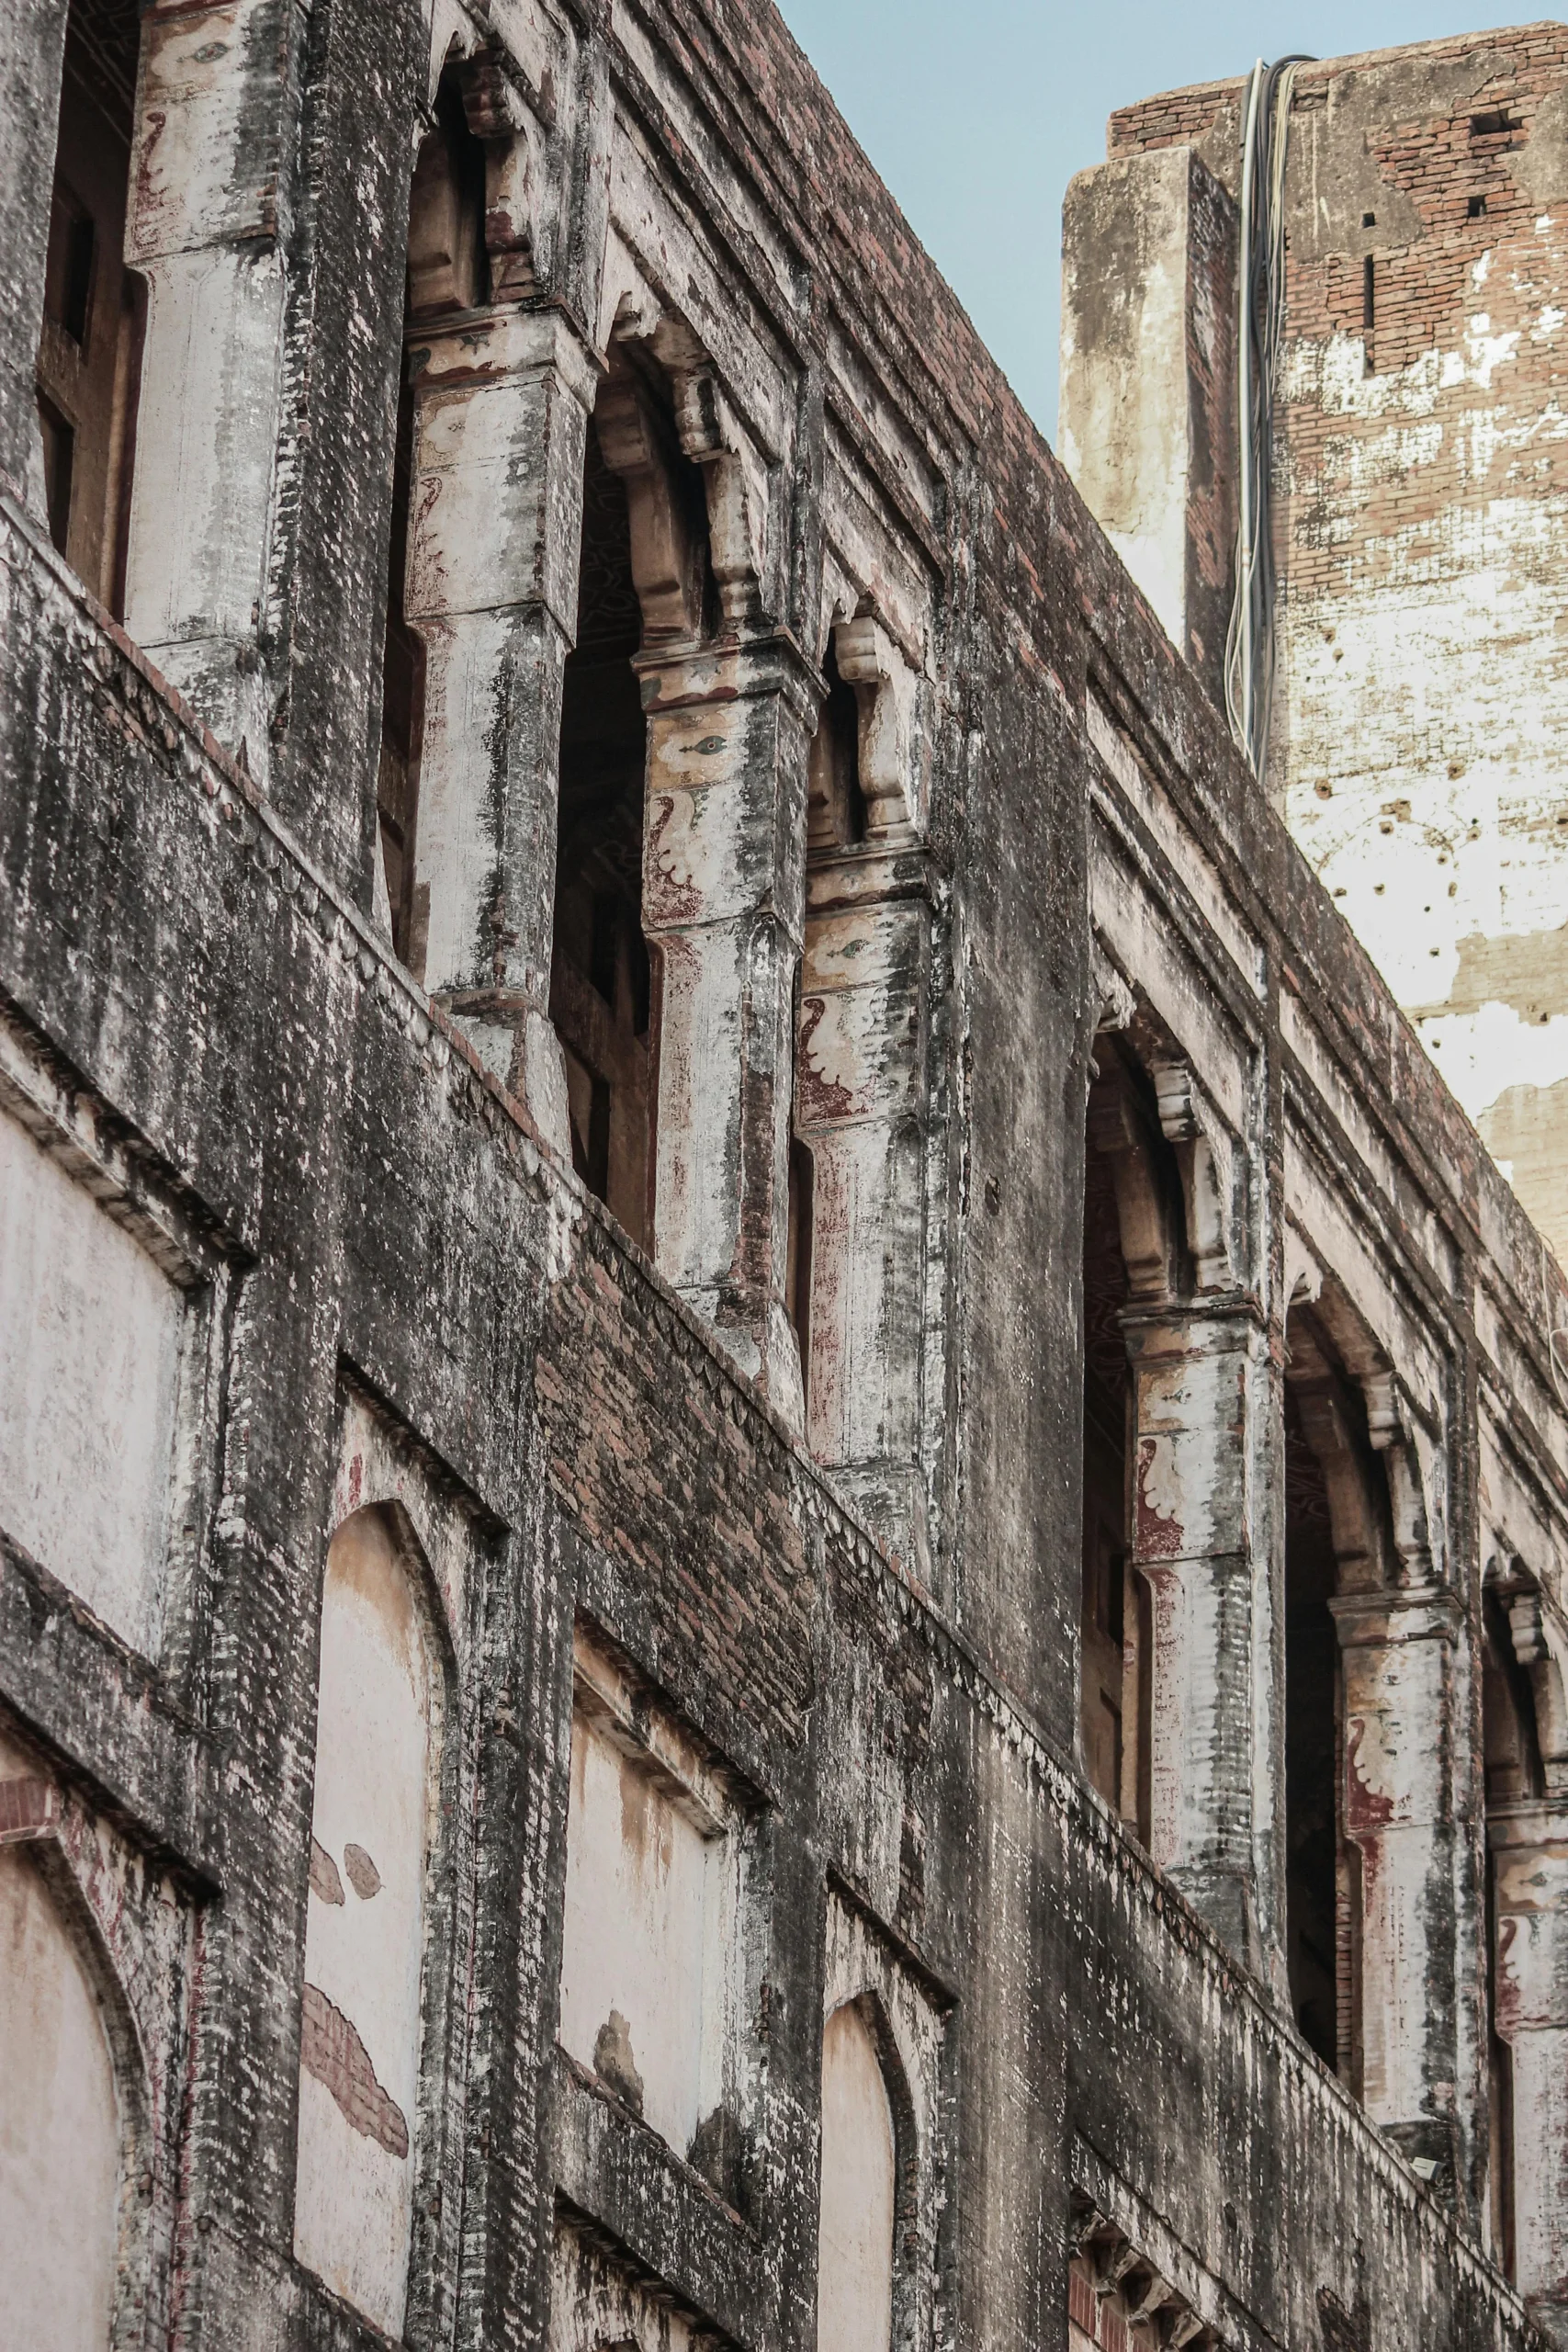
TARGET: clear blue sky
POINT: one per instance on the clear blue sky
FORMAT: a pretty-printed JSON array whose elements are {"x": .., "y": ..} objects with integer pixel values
[{"x": 978, "y": 115}]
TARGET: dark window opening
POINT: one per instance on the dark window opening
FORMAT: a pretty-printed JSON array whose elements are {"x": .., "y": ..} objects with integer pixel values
[
  {"x": 448, "y": 267},
  {"x": 836, "y": 805},
  {"x": 1476, "y": 209},
  {"x": 402, "y": 722},
  {"x": 68, "y": 269},
  {"x": 1368, "y": 219},
  {"x": 797, "y": 1255},
  {"x": 58, "y": 452},
  {"x": 1495, "y": 122},
  {"x": 89, "y": 355},
  {"x": 1369, "y": 293},
  {"x": 1116, "y": 1629},
  {"x": 602, "y": 980},
  {"x": 1314, "y": 1734},
  {"x": 1514, "y": 1775}
]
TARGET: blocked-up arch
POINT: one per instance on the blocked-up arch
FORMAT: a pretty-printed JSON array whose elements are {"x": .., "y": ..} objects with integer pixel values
[
  {"x": 867, "y": 2185},
  {"x": 379, "y": 1708},
  {"x": 69, "y": 2108}
]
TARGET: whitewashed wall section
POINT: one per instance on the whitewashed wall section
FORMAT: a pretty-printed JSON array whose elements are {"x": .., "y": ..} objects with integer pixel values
[
  {"x": 652, "y": 1964},
  {"x": 111, "y": 1332}
]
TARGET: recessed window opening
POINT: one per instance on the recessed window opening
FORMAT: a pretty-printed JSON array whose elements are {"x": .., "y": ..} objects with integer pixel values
[
  {"x": 602, "y": 981},
  {"x": 836, "y": 804},
  {"x": 1314, "y": 1734},
  {"x": 89, "y": 354},
  {"x": 403, "y": 721},
  {"x": 1368, "y": 219},
  {"x": 446, "y": 274},
  {"x": 1116, "y": 1689},
  {"x": 1337, "y": 1526},
  {"x": 1514, "y": 1774},
  {"x": 1476, "y": 209},
  {"x": 1495, "y": 122},
  {"x": 797, "y": 1262}
]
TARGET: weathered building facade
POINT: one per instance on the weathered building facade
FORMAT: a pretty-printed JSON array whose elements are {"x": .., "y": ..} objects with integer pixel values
[
  {"x": 782, "y": 1500},
  {"x": 1420, "y": 508}
]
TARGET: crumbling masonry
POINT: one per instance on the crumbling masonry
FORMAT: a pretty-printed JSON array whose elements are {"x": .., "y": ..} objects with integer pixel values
[{"x": 782, "y": 1502}]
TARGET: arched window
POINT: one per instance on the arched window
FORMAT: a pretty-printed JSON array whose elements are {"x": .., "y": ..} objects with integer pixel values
[
  {"x": 858, "y": 2191},
  {"x": 376, "y": 1732},
  {"x": 60, "y": 2136}
]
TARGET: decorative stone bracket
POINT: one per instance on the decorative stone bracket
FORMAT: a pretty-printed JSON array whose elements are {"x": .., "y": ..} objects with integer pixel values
[
  {"x": 886, "y": 687},
  {"x": 1155, "y": 2310},
  {"x": 1539, "y": 1634},
  {"x": 714, "y": 438},
  {"x": 1399, "y": 1437},
  {"x": 1116, "y": 1130},
  {"x": 1203, "y": 1155},
  {"x": 666, "y": 563}
]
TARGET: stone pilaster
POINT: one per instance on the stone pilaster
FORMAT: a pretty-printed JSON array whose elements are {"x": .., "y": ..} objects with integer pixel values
[
  {"x": 204, "y": 230},
  {"x": 1397, "y": 1809},
  {"x": 1201, "y": 1386},
  {"x": 503, "y": 400},
  {"x": 723, "y": 909},
  {"x": 860, "y": 1107},
  {"x": 1530, "y": 1850}
]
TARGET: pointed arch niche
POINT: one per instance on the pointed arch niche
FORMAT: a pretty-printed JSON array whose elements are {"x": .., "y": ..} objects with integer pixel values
[
  {"x": 60, "y": 2136},
  {"x": 382, "y": 2068},
  {"x": 879, "y": 2185},
  {"x": 81, "y": 2178}
]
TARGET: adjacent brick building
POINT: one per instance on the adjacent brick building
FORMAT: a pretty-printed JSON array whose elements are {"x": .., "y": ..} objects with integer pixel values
[
  {"x": 782, "y": 1500},
  {"x": 1420, "y": 509}
]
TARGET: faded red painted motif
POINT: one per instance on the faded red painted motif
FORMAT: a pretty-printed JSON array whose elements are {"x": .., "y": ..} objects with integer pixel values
[
  {"x": 1509, "y": 2004},
  {"x": 678, "y": 902},
  {"x": 822, "y": 1101},
  {"x": 1366, "y": 1809},
  {"x": 1160, "y": 1535}
]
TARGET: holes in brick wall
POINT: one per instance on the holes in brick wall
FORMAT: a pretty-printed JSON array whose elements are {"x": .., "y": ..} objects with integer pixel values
[
  {"x": 1493, "y": 122},
  {"x": 89, "y": 355},
  {"x": 1476, "y": 209}
]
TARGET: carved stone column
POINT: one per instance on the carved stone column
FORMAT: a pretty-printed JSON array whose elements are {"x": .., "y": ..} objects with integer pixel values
[
  {"x": 1201, "y": 1387},
  {"x": 1398, "y": 1648},
  {"x": 1530, "y": 1848},
  {"x": 207, "y": 174},
  {"x": 723, "y": 907},
  {"x": 860, "y": 1101},
  {"x": 502, "y": 399}
]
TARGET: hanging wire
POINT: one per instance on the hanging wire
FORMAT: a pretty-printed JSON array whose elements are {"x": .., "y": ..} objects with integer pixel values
[{"x": 1250, "y": 642}]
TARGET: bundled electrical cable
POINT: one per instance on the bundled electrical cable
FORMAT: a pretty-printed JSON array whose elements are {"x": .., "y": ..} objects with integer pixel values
[{"x": 1249, "y": 643}]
